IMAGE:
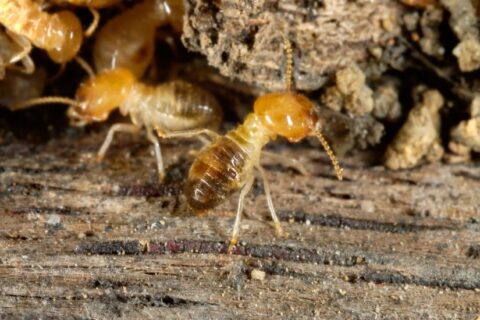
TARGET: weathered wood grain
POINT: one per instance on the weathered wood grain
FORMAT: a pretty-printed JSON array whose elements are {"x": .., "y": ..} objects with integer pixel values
[{"x": 87, "y": 240}]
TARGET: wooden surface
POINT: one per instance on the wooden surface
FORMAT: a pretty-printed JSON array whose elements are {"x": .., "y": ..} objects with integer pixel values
[{"x": 87, "y": 240}]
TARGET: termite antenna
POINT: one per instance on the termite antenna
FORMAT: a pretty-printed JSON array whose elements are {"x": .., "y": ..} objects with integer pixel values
[
  {"x": 93, "y": 26},
  {"x": 44, "y": 100},
  {"x": 289, "y": 71},
  {"x": 331, "y": 155},
  {"x": 85, "y": 66}
]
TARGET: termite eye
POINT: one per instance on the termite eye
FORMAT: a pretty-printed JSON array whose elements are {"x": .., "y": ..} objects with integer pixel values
[{"x": 286, "y": 114}]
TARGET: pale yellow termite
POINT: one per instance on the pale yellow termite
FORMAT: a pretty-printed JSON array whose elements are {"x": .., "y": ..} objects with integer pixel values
[
  {"x": 128, "y": 40},
  {"x": 59, "y": 33},
  {"x": 171, "y": 109}
]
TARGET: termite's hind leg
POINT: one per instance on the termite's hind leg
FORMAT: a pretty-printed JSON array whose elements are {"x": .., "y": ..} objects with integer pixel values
[
  {"x": 158, "y": 154},
  {"x": 271, "y": 208},
  {"x": 289, "y": 162},
  {"x": 198, "y": 133},
  {"x": 187, "y": 133},
  {"x": 23, "y": 55},
  {"x": 236, "y": 226},
  {"x": 119, "y": 127}
]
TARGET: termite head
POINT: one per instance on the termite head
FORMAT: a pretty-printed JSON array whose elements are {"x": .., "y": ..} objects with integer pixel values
[
  {"x": 287, "y": 114},
  {"x": 100, "y": 95},
  {"x": 70, "y": 35}
]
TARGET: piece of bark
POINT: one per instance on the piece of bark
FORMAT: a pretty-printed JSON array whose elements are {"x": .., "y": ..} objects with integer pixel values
[
  {"x": 81, "y": 239},
  {"x": 244, "y": 39}
]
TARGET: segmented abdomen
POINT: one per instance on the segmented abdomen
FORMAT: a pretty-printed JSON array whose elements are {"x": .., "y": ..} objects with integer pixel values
[
  {"x": 225, "y": 165},
  {"x": 219, "y": 170},
  {"x": 173, "y": 106},
  {"x": 25, "y": 17}
]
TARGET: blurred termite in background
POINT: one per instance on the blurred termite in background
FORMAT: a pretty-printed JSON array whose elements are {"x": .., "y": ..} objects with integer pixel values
[
  {"x": 59, "y": 33},
  {"x": 128, "y": 40}
]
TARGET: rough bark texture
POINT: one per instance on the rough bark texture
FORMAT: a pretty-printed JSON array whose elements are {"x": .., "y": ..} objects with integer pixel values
[
  {"x": 88, "y": 240},
  {"x": 244, "y": 39}
]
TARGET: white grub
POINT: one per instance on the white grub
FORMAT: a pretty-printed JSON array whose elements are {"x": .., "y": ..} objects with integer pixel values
[
  {"x": 349, "y": 92},
  {"x": 419, "y": 137}
]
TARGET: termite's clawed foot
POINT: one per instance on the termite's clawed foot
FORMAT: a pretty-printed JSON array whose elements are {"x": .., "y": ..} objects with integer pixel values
[
  {"x": 161, "y": 176},
  {"x": 279, "y": 231},
  {"x": 232, "y": 244},
  {"x": 98, "y": 158}
]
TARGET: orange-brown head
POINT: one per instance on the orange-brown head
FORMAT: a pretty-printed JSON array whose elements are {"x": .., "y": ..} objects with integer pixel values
[
  {"x": 292, "y": 116},
  {"x": 100, "y": 95},
  {"x": 287, "y": 114},
  {"x": 69, "y": 33}
]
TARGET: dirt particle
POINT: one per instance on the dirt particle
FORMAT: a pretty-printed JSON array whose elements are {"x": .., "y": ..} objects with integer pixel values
[
  {"x": 349, "y": 92},
  {"x": 419, "y": 137},
  {"x": 257, "y": 274}
]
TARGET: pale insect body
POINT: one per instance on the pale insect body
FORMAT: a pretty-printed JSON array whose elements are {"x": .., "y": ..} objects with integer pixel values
[
  {"x": 228, "y": 164},
  {"x": 59, "y": 33},
  {"x": 128, "y": 40},
  {"x": 172, "y": 109}
]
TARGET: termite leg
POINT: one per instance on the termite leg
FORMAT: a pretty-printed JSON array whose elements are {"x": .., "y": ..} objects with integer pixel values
[
  {"x": 271, "y": 208},
  {"x": 236, "y": 226},
  {"x": 158, "y": 153},
  {"x": 289, "y": 162},
  {"x": 119, "y": 127},
  {"x": 93, "y": 26},
  {"x": 23, "y": 55},
  {"x": 188, "y": 133},
  {"x": 27, "y": 67}
]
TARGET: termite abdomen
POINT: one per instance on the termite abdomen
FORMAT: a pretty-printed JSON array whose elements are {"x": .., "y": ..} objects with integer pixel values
[
  {"x": 194, "y": 103},
  {"x": 217, "y": 172}
]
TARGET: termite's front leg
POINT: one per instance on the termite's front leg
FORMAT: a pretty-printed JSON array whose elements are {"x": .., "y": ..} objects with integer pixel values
[{"x": 119, "y": 127}]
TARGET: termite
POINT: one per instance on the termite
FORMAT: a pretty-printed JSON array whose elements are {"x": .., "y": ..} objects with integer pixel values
[
  {"x": 59, "y": 33},
  {"x": 228, "y": 164},
  {"x": 172, "y": 109},
  {"x": 128, "y": 40}
]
